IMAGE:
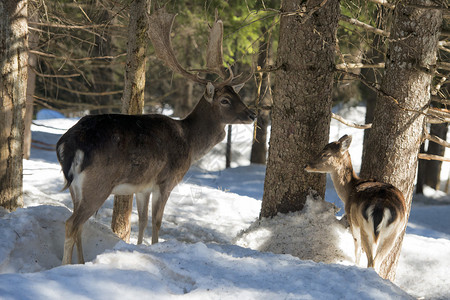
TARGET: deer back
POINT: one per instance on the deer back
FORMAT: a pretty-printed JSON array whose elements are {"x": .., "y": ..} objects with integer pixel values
[{"x": 128, "y": 146}]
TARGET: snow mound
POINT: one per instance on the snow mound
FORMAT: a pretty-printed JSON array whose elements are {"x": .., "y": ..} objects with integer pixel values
[
  {"x": 311, "y": 234},
  {"x": 32, "y": 239}
]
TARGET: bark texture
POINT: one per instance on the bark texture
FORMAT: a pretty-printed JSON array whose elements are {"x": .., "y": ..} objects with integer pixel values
[
  {"x": 132, "y": 100},
  {"x": 13, "y": 81},
  {"x": 392, "y": 147},
  {"x": 301, "y": 111}
]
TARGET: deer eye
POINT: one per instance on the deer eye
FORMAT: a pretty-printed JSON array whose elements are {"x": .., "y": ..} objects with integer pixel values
[{"x": 225, "y": 101}]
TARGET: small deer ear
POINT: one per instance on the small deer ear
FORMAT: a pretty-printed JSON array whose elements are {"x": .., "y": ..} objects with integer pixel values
[
  {"x": 209, "y": 92},
  {"x": 345, "y": 141},
  {"x": 238, "y": 87}
]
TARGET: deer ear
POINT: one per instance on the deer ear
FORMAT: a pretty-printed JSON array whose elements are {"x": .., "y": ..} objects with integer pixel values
[
  {"x": 209, "y": 92},
  {"x": 238, "y": 87},
  {"x": 345, "y": 141}
]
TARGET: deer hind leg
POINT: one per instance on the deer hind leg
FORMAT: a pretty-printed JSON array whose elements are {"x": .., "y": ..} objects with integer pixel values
[
  {"x": 159, "y": 199},
  {"x": 88, "y": 200},
  {"x": 367, "y": 245},
  {"x": 356, "y": 232},
  {"x": 142, "y": 200},
  {"x": 387, "y": 239}
]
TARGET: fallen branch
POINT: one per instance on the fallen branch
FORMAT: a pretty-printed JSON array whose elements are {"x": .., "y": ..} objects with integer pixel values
[{"x": 350, "y": 123}]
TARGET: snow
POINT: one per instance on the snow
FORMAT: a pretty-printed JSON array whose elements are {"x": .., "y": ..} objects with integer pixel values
[{"x": 213, "y": 245}]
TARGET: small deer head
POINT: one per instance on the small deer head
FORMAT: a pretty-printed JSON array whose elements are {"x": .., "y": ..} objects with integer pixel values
[{"x": 331, "y": 157}]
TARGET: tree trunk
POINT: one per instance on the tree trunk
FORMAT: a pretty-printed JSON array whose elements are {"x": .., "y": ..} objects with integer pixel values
[
  {"x": 259, "y": 146},
  {"x": 433, "y": 167},
  {"x": 374, "y": 55},
  {"x": 132, "y": 100},
  {"x": 228, "y": 148},
  {"x": 301, "y": 112},
  {"x": 102, "y": 77},
  {"x": 33, "y": 41},
  {"x": 13, "y": 81},
  {"x": 396, "y": 134}
]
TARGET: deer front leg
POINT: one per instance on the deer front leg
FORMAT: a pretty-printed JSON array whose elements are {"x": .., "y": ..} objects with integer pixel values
[{"x": 142, "y": 200}]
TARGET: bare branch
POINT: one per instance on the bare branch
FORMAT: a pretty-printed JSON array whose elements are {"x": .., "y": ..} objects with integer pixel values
[
  {"x": 443, "y": 65},
  {"x": 55, "y": 75},
  {"x": 432, "y": 157},
  {"x": 107, "y": 93},
  {"x": 440, "y": 100},
  {"x": 364, "y": 26},
  {"x": 436, "y": 139},
  {"x": 345, "y": 66},
  {"x": 75, "y": 59},
  {"x": 438, "y": 115},
  {"x": 350, "y": 123},
  {"x": 435, "y": 89},
  {"x": 435, "y": 115},
  {"x": 384, "y": 3},
  {"x": 56, "y": 25}
]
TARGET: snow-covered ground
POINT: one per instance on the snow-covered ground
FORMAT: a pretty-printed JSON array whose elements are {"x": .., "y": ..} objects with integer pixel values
[{"x": 212, "y": 244}]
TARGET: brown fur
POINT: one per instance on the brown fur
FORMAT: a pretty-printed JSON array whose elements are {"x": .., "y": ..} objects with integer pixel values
[
  {"x": 376, "y": 211},
  {"x": 143, "y": 154}
]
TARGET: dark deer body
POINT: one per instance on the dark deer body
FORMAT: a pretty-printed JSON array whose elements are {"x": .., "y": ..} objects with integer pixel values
[
  {"x": 142, "y": 154},
  {"x": 376, "y": 211}
]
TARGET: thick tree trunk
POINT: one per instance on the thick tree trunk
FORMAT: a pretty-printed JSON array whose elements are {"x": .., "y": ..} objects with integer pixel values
[
  {"x": 13, "y": 81},
  {"x": 132, "y": 100},
  {"x": 301, "y": 112},
  {"x": 396, "y": 134}
]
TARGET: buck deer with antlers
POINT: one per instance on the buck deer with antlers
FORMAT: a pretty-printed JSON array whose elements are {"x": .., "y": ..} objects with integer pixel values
[
  {"x": 376, "y": 211},
  {"x": 146, "y": 154}
]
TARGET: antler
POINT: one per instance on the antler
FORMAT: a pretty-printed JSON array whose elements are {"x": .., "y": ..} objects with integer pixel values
[{"x": 160, "y": 27}]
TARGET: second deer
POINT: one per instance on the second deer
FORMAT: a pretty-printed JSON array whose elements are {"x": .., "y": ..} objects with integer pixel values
[{"x": 376, "y": 211}]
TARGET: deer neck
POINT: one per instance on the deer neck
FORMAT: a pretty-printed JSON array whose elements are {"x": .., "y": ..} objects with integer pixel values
[
  {"x": 344, "y": 178},
  {"x": 203, "y": 129}
]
